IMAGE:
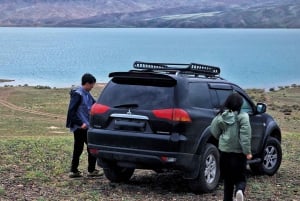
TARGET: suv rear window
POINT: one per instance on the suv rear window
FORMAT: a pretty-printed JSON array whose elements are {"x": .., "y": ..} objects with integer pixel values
[{"x": 143, "y": 96}]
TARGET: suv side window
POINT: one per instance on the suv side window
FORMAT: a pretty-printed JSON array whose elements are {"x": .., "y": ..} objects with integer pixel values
[
  {"x": 199, "y": 95},
  {"x": 219, "y": 94},
  {"x": 222, "y": 95},
  {"x": 246, "y": 107}
]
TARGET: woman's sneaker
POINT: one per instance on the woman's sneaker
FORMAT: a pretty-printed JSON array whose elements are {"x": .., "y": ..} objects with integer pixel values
[
  {"x": 75, "y": 174},
  {"x": 239, "y": 195},
  {"x": 95, "y": 173}
]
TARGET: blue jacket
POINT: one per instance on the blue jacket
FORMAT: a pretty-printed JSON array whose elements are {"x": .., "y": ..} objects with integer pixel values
[{"x": 79, "y": 108}]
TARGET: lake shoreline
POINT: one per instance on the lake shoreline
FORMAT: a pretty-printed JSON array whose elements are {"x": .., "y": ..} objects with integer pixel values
[
  {"x": 102, "y": 84},
  {"x": 6, "y": 80}
]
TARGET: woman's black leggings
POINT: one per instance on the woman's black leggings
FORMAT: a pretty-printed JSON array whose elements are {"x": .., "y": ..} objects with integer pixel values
[{"x": 233, "y": 171}]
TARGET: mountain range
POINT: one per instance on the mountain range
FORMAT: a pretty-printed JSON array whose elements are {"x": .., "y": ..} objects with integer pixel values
[{"x": 151, "y": 13}]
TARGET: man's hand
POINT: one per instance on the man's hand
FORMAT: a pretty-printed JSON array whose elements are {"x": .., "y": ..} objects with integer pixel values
[{"x": 83, "y": 126}]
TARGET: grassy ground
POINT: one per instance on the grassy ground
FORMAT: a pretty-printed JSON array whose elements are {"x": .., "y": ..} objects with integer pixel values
[{"x": 35, "y": 152}]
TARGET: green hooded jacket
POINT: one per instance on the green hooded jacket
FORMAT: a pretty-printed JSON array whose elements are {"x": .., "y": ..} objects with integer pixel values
[{"x": 225, "y": 128}]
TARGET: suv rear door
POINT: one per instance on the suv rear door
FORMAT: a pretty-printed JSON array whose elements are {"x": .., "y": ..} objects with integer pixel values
[{"x": 140, "y": 109}]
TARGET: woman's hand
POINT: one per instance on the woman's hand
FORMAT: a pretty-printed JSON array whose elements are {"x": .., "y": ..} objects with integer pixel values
[{"x": 249, "y": 156}]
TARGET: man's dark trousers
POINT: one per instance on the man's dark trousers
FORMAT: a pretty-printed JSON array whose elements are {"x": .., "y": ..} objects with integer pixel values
[{"x": 80, "y": 137}]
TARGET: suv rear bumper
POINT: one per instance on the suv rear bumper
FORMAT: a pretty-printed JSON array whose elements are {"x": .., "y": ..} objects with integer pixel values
[
  {"x": 141, "y": 157},
  {"x": 136, "y": 140}
]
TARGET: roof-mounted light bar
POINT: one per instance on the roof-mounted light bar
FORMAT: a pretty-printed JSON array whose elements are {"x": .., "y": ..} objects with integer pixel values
[
  {"x": 192, "y": 68},
  {"x": 149, "y": 66},
  {"x": 204, "y": 69}
]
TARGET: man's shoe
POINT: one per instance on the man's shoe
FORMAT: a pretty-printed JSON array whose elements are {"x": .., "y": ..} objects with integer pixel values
[
  {"x": 95, "y": 173},
  {"x": 239, "y": 195},
  {"x": 75, "y": 174}
]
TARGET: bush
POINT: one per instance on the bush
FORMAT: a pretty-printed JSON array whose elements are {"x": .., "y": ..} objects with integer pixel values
[
  {"x": 294, "y": 85},
  {"x": 42, "y": 87},
  {"x": 286, "y": 110}
]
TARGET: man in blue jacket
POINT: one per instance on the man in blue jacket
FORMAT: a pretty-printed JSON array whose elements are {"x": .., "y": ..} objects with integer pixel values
[{"x": 78, "y": 121}]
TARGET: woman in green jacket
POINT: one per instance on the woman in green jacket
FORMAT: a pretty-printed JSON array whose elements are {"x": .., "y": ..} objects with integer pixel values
[{"x": 232, "y": 128}]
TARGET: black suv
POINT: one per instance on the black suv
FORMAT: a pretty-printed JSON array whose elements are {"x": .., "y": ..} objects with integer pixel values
[{"x": 158, "y": 117}]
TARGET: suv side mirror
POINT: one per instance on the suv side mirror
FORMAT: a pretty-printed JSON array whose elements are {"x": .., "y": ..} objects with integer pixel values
[{"x": 261, "y": 108}]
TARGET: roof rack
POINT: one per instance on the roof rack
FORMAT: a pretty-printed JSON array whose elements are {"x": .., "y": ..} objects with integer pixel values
[{"x": 192, "y": 68}]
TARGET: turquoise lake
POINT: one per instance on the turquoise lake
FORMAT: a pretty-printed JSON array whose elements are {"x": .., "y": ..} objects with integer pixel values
[{"x": 57, "y": 57}]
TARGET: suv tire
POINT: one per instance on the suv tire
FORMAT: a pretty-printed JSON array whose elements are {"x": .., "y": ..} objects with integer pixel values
[
  {"x": 209, "y": 174},
  {"x": 118, "y": 174},
  {"x": 271, "y": 158}
]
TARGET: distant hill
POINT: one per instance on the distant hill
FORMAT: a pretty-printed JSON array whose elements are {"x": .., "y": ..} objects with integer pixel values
[{"x": 151, "y": 13}]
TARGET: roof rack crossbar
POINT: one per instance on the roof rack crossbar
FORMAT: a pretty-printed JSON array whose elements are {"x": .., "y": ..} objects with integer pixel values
[{"x": 192, "y": 68}]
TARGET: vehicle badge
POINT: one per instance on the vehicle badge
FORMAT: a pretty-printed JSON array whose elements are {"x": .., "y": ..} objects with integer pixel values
[{"x": 129, "y": 112}]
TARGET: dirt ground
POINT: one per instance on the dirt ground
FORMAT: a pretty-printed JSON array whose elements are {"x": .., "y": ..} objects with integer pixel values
[{"x": 20, "y": 156}]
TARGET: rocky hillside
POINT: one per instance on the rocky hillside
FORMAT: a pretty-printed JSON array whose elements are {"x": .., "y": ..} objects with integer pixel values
[{"x": 151, "y": 13}]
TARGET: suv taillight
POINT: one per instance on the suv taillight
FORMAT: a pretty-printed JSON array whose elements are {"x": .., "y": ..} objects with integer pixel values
[
  {"x": 99, "y": 109},
  {"x": 173, "y": 114}
]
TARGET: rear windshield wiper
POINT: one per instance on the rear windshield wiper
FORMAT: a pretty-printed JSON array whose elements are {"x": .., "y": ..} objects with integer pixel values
[{"x": 132, "y": 105}]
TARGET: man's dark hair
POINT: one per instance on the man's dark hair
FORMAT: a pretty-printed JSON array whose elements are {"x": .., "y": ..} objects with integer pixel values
[
  {"x": 233, "y": 102},
  {"x": 88, "y": 78}
]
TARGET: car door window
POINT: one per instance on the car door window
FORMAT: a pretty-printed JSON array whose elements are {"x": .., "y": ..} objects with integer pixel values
[
  {"x": 223, "y": 95},
  {"x": 219, "y": 93},
  {"x": 199, "y": 95},
  {"x": 246, "y": 107}
]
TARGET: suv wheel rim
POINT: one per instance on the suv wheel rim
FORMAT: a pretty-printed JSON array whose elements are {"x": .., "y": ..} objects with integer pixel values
[
  {"x": 210, "y": 168},
  {"x": 270, "y": 158}
]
